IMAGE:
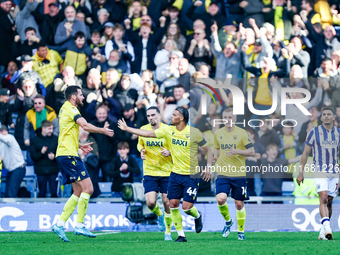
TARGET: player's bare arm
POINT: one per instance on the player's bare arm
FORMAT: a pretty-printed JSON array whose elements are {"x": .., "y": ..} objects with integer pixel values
[
  {"x": 93, "y": 129},
  {"x": 140, "y": 132},
  {"x": 216, "y": 155},
  {"x": 294, "y": 160},
  {"x": 304, "y": 157},
  {"x": 247, "y": 152},
  {"x": 207, "y": 174}
]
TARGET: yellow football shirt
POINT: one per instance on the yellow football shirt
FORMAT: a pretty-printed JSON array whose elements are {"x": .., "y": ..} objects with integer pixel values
[
  {"x": 235, "y": 165},
  {"x": 183, "y": 146},
  {"x": 155, "y": 164},
  {"x": 68, "y": 141}
]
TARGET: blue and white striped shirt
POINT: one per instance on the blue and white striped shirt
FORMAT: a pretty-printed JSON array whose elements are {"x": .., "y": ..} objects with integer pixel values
[{"x": 325, "y": 145}]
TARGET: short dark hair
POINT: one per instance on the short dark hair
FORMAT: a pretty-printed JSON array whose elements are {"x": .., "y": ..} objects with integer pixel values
[
  {"x": 289, "y": 124},
  {"x": 123, "y": 145},
  {"x": 184, "y": 112},
  {"x": 30, "y": 29},
  {"x": 79, "y": 34},
  {"x": 70, "y": 91},
  {"x": 39, "y": 96},
  {"x": 179, "y": 86},
  {"x": 153, "y": 108},
  {"x": 310, "y": 2},
  {"x": 173, "y": 9},
  {"x": 46, "y": 123},
  {"x": 326, "y": 59},
  {"x": 327, "y": 108},
  {"x": 41, "y": 44},
  {"x": 95, "y": 32}
]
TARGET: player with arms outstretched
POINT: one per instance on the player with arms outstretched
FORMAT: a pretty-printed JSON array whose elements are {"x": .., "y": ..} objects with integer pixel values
[
  {"x": 157, "y": 167},
  {"x": 183, "y": 141},
  {"x": 71, "y": 166},
  {"x": 232, "y": 146},
  {"x": 325, "y": 142}
]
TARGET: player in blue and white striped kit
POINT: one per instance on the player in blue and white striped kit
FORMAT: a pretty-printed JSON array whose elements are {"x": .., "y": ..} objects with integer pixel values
[{"x": 325, "y": 142}]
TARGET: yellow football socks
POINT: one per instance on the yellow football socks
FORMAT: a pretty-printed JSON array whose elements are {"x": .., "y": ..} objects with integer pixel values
[
  {"x": 157, "y": 210},
  {"x": 82, "y": 206},
  {"x": 177, "y": 220},
  {"x": 193, "y": 212},
  {"x": 69, "y": 208},
  {"x": 168, "y": 222},
  {"x": 224, "y": 209},
  {"x": 241, "y": 219}
]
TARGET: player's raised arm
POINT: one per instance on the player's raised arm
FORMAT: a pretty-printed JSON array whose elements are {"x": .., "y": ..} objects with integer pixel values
[
  {"x": 93, "y": 129},
  {"x": 304, "y": 157},
  {"x": 141, "y": 132}
]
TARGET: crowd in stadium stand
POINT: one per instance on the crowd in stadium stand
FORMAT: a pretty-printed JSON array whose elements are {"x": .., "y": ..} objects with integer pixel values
[{"x": 128, "y": 55}]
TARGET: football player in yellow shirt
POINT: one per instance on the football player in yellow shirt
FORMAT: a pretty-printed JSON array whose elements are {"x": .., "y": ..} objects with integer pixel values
[
  {"x": 232, "y": 146},
  {"x": 157, "y": 167},
  {"x": 184, "y": 142},
  {"x": 71, "y": 166}
]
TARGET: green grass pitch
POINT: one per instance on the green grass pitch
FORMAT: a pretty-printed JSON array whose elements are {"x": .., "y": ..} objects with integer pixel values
[{"x": 152, "y": 243}]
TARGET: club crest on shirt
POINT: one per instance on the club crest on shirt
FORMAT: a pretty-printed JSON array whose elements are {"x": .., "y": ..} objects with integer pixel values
[
  {"x": 173, "y": 133},
  {"x": 83, "y": 173},
  {"x": 187, "y": 136},
  {"x": 235, "y": 137}
]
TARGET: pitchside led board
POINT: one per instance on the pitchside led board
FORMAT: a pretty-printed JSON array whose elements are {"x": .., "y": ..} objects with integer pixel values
[{"x": 111, "y": 217}]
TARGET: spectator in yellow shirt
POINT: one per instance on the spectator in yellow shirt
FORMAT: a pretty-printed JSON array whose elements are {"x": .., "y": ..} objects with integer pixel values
[{"x": 47, "y": 63}]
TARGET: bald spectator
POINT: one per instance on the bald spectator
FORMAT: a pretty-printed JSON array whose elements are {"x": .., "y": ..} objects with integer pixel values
[
  {"x": 69, "y": 27},
  {"x": 61, "y": 82},
  {"x": 199, "y": 52}
]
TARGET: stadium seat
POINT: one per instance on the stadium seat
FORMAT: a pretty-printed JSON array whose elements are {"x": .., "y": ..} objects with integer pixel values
[
  {"x": 288, "y": 189},
  {"x": 31, "y": 181},
  {"x": 105, "y": 188}
]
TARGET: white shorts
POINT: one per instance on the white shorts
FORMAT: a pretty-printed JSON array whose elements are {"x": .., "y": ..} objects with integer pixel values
[{"x": 327, "y": 184}]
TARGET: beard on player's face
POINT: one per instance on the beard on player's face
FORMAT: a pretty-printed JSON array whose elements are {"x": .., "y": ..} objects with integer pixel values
[
  {"x": 153, "y": 123},
  {"x": 79, "y": 102}
]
